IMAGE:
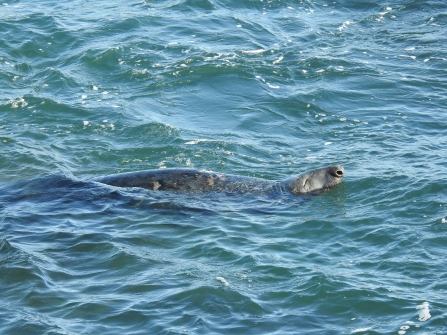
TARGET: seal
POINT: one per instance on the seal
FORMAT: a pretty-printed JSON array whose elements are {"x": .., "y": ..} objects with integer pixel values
[{"x": 191, "y": 180}]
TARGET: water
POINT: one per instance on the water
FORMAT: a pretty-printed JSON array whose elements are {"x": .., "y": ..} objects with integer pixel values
[{"x": 266, "y": 89}]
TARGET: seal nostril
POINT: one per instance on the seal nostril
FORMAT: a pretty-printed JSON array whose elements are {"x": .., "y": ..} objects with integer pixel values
[{"x": 337, "y": 173}]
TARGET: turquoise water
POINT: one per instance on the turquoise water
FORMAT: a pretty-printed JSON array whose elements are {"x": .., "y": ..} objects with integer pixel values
[{"x": 267, "y": 89}]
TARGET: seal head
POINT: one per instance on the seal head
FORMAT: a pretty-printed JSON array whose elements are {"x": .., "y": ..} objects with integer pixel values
[{"x": 316, "y": 181}]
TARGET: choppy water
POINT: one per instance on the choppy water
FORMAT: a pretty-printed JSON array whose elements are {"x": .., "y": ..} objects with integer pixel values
[{"x": 257, "y": 88}]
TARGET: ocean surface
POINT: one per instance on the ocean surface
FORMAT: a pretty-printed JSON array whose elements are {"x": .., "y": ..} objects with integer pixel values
[{"x": 260, "y": 88}]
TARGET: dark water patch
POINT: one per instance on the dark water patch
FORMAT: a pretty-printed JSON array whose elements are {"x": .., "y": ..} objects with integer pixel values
[
  {"x": 44, "y": 108},
  {"x": 220, "y": 298},
  {"x": 54, "y": 80},
  {"x": 102, "y": 59},
  {"x": 39, "y": 25},
  {"x": 361, "y": 5},
  {"x": 157, "y": 133},
  {"x": 423, "y": 6},
  {"x": 194, "y": 5},
  {"x": 437, "y": 19},
  {"x": 249, "y": 5},
  {"x": 125, "y": 26}
]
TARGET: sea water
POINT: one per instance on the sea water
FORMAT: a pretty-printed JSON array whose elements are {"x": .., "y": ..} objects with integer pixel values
[{"x": 260, "y": 88}]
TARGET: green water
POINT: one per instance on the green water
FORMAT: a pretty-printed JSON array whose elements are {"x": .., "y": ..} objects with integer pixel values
[{"x": 267, "y": 89}]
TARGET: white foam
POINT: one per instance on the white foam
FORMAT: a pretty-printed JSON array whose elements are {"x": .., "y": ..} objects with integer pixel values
[
  {"x": 207, "y": 59},
  {"x": 272, "y": 86},
  {"x": 198, "y": 141},
  {"x": 19, "y": 102},
  {"x": 403, "y": 330},
  {"x": 344, "y": 25},
  {"x": 223, "y": 281},
  {"x": 443, "y": 220},
  {"x": 86, "y": 123},
  {"x": 424, "y": 314},
  {"x": 359, "y": 330},
  {"x": 278, "y": 60},
  {"x": 253, "y": 52}
]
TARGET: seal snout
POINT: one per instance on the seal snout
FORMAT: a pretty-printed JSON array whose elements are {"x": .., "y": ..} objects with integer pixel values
[{"x": 337, "y": 171}]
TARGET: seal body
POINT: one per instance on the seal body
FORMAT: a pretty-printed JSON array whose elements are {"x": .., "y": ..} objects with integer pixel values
[{"x": 191, "y": 180}]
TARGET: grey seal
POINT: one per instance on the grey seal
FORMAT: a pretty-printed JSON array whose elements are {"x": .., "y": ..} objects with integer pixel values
[{"x": 191, "y": 180}]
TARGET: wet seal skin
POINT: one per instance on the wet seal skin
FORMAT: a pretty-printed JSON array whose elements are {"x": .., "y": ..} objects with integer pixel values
[{"x": 191, "y": 180}]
